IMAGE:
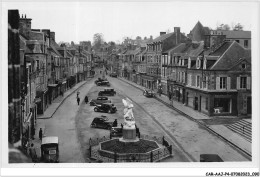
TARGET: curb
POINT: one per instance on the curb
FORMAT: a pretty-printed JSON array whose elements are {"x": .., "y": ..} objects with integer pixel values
[
  {"x": 65, "y": 99},
  {"x": 195, "y": 120}
]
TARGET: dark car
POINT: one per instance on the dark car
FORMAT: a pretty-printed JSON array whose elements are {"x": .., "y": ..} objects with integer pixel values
[
  {"x": 118, "y": 132},
  {"x": 100, "y": 100},
  {"x": 103, "y": 83},
  {"x": 101, "y": 122},
  {"x": 149, "y": 93},
  {"x": 107, "y": 92},
  {"x": 100, "y": 80},
  {"x": 106, "y": 107},
  {"x": 113, "y": 75}
]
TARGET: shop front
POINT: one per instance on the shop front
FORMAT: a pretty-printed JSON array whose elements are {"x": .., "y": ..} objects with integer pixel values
[{"x": 212, "y": 103}]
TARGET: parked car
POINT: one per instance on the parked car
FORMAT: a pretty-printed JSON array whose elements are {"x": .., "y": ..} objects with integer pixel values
[
  {"x": 99, "y": 100},
  {"x": 113, "y": 75},
  {"x": 101, "y": 122},
  {"x": 118, "y": 132},
  {"x": 105, "y": 107},
  {"x": 100, "y": 80},
  {"x": 149, "y": 93},
  {"x": 107, "y": 92},
  {"x": 102, "y": 83}
]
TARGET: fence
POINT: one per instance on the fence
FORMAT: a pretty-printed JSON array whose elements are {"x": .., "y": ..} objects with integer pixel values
[{"x": 153, "y": 156}]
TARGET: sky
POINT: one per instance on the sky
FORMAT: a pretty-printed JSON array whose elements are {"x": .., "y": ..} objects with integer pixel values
[{"x": 79, "y": 21}]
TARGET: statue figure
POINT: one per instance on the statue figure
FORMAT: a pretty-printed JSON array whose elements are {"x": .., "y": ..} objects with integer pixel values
[{"x": 128, "y": 113}]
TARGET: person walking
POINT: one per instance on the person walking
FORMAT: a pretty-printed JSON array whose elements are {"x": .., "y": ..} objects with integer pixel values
[
  {"x": 40, "y": 134},
  {"x": 32, "y": 153},
  {"x": 78, "y": 100},
  {"x": 115, "y": 123}
]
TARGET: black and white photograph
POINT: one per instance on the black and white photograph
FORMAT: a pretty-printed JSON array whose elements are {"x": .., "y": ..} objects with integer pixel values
[{"x": 168, "y": 88}]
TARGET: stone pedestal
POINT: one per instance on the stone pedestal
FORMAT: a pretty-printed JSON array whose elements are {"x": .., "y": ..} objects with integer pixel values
[{"x": 129, "y": 134}]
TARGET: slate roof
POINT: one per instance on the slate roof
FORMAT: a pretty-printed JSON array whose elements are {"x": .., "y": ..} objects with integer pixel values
[
  {"x": 198, "y": 32},
  {"x": 176, "y": 49},
  {"x": 55, "y": 51},
  {"x": 237, "y": 34},
  {"x": 162, "y": 37},
  {"x": 230, "y": 56},
  {"x": 220, "y": 50},
  {"x": 194, "y": 49}
]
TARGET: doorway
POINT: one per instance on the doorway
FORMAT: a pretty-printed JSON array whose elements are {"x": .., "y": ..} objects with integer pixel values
[
  {"x": 196, "y": 103},
  {"x": 249, "y": 105}
]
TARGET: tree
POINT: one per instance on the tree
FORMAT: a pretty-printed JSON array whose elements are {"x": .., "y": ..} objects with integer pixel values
[
  {"x": 98, "y": 39},
  {"x": 238, "y": 27},
  {"x": 223, "y": 27}
]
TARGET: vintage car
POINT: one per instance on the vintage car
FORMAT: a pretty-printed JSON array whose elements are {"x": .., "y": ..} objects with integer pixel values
[
  {"x": 107, "y": 92},
  {"x": 118, "y": 132},
  {"x": 113, "y": 75},
  {"x": 100, "y": 80},
  {"x": 149, "y": 93},
  {"x": 50, "y": 149},
  {"x": 105, "y": 107},
  {"x": 100, "y": 100},
  {"x": 103, "y": 83},
  {"x": 101, "y": 122}
]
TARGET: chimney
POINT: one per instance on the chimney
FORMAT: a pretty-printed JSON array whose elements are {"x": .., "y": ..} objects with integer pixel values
[
  {"x": 151, "y": 37},
  {"x": 162, "y": 33},
  {"x": 52, "y": 35},
  {"x": 178, "y": 34}
]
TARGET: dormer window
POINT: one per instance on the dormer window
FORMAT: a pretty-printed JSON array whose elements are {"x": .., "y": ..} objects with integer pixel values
[
  {"x": 243, "y": 66},
  {"x": 198, "y": 63}
]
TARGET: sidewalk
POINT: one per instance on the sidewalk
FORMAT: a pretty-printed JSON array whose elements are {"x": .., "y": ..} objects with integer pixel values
[
  {"x": 48, "y": 113},
  {"x": 219, "y": 130}
]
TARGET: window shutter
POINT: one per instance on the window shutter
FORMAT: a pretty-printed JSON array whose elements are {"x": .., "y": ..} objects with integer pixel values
[
  {"x": 207, "y": 79},
  {"x": 189, "y": 63},
  {"x": 184, "y": 79},
  {"x": 169, "y": 58},
  {"x": 217, "y": 83},
  {"x": 190, "y": 80},
  {"x": 228, "y": 83},
  {"x": 196, "y": 81},
  {"x": 238, "y": 82},
  {"x": 248, "y": 82}
]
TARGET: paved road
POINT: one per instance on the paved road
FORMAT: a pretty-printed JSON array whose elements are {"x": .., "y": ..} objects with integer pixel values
[
  {"x": 191, "y": 139},
  {"x": 72, "y": 124},
  {"x": 62, "y": 124}
]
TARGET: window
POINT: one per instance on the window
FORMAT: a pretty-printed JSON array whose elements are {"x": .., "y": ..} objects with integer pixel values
[
  {"x": 243, "y": 82},
  {"x": 198, "y": 64},
  {"x": 223, "y": 82},
  {"x": 243, "y": 66},
  {"x": 245, "y": 43},
  {"x": 198, "y": 81},
  {"x": 37, "y": 64}
]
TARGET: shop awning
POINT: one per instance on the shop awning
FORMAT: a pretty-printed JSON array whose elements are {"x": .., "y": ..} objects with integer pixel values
[
  {"x": 64, "y": 82},
  {"x": 37, "y": 100}
]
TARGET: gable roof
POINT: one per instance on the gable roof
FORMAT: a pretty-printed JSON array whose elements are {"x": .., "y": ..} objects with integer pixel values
[
  {"x": 230, "y": 56},
  {"x": 162, "y": 37},
  {"x": 176, "y": 49},
  {"x": 237, "y": 34}
]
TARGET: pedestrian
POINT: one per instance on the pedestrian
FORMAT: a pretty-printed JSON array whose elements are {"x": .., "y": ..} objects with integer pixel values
[
  {"x": 78, "y": 94},
  {"x": 32, "y": 153},
  {"x": 78, "y": 100},
  {"x": 122, "y": 126},
  {"x": 115, "y": 123},
  {"x": 86, "y": 99},
  {"x": 40, "y": 134}
]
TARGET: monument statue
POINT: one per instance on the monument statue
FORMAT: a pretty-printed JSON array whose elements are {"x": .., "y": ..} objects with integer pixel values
[{"x": 128, "y": 113}]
